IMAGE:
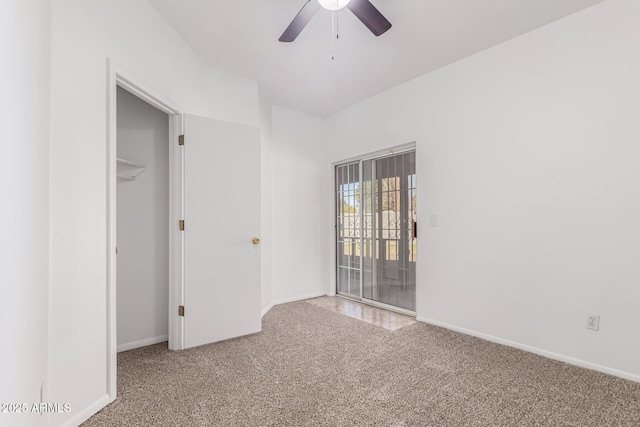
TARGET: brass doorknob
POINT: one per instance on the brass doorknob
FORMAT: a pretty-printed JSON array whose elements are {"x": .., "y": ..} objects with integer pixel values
[{"x": 255, "y": 240}]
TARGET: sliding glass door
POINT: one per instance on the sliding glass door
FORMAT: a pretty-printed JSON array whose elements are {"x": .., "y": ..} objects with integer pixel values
[
  {"x": 348, "y": 229},
  {"x": 376, "y": 226}
]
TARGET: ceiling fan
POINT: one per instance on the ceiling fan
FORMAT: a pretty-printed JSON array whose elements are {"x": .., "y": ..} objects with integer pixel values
[{"x": 363, "y": 9}]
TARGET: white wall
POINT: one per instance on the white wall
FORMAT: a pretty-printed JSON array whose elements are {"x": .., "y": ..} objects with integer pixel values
[
  {"x": 24, "y": 191},
  {"x": 139, "y": 40},
  {"x": 266, "y": 201},
  {"x": 300, "y": 182},
  {"x": 527, "y": 152},
  {"x": 143, "y": 225}
]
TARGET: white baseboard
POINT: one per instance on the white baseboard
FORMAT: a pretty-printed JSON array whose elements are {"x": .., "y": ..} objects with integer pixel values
[
  {"x": 293, "y": 299},
  {"x": 266, "y": 309},
  {"x": 555, "y": 356},
  {"x": 300, "y": 298},
  {"x": 88, "y": 412},
  {"x": 142, "y": 343}
]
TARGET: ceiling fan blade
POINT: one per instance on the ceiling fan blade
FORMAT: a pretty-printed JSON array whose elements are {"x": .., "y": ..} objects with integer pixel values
[
  {"x": 300, "y": 21},
  {"x": 370, "y": 16}
]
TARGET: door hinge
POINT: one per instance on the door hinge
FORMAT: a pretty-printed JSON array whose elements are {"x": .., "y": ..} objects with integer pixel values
[
  {"x": 181, "y": 140},
  {"x": 181, "y": 310},
  {"x": 181, "y": 225}
]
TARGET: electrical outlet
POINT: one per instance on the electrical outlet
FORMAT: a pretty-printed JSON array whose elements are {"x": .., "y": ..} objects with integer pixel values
[{"x": 593, "y": 321}]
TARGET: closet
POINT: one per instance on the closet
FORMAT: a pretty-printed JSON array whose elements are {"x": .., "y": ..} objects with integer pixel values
[{"x": 142, "y": 223}]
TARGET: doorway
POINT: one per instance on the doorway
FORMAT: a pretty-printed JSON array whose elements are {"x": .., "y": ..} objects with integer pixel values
[
  {"x": 213, "y": 228},
  {"x": 126, "y": 169},
  {"x": 376, "y": 230},
  {"x": 143, "y": 208}
]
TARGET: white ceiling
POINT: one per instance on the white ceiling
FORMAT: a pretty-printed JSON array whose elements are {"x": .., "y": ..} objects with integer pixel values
[{"x": 241, "y": 36}]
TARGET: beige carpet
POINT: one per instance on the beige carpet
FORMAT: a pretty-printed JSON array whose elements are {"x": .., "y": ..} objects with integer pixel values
[{"x": 311, "y": 367}]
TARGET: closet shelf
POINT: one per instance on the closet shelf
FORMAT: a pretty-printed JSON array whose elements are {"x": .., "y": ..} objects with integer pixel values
[{"x": 128, "y": 170}]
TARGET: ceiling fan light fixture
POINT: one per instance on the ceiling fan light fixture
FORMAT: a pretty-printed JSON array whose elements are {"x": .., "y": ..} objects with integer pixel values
[
  {"x": 333, "y": 4},
  {"x": 362, "y": 9}
]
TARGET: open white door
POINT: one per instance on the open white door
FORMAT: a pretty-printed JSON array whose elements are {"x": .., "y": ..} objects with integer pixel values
[{"x": 222, "y": 216}]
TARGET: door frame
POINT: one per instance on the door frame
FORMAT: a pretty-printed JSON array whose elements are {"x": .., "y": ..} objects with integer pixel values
[
  {"x": 119, "y": 77},
  {"x": 398, "y": 149}
]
